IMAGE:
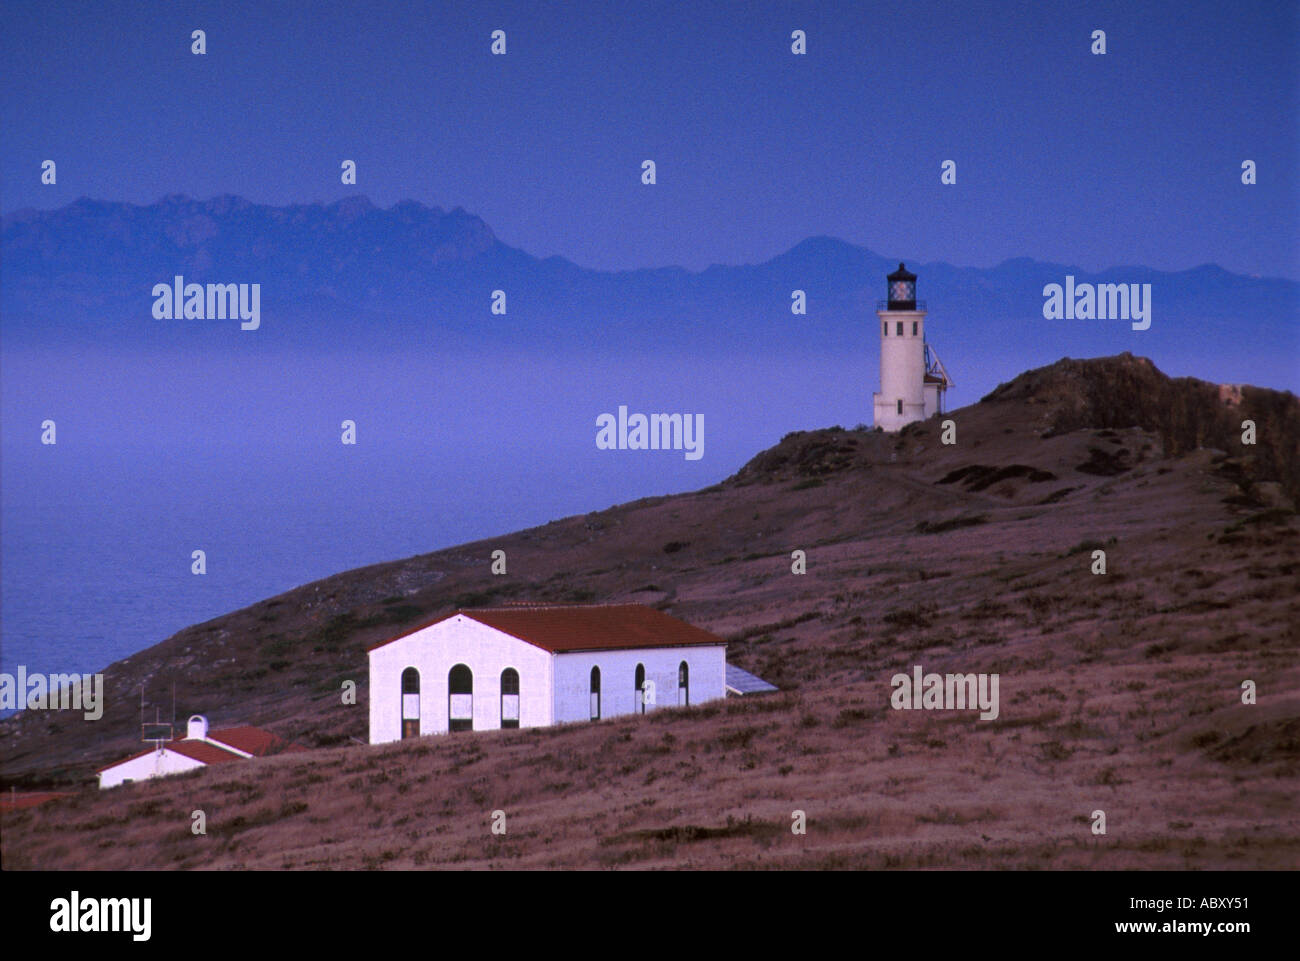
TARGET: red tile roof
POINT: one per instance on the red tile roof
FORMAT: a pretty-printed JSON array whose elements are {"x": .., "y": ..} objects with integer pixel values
[
  {"x": 254, "y": 741},
  {"x": 203, "y": 751},
  {"x": 198, "y": 750},
  {"x": 586, "y": 627}
]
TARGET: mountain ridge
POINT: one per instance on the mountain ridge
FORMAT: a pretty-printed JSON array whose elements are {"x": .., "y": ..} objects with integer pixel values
[
  {"x": 349, "y": 275},
  {"x": 356, "y": 205}
]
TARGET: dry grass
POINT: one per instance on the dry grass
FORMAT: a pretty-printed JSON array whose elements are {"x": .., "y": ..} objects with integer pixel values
[{"x": 1118, "y": 692}]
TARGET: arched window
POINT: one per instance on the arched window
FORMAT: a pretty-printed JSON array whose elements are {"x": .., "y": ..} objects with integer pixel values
[
  {"x": 900, "y": 405},
  {"x": 683, "y": 685},
  {"x": 460, "y": 698},
  {"x": 884, "y": 332},
  {"x": 640, "y": 689},
  {"x": 595, "y": 694},
  {"x": 509, "y": 697},
  {"x": 410, "y": 703}
]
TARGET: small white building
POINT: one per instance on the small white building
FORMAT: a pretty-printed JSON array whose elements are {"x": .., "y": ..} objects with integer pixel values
[
  {"x": 199, "y": 748},
  {"x": 531, "y": 666}
]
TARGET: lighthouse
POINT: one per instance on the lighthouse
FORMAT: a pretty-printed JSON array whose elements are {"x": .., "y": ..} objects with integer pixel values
[{"x": 912, "y": 378}]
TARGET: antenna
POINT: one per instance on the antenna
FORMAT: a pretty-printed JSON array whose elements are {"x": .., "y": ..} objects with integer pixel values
[
  {"x": 156, "y": 732},
  {"x": 934, "y": 367},
  {"x": 936, "y": 373}
]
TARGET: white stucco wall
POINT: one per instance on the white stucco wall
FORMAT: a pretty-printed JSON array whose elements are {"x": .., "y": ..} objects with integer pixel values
[
  {"x": 552, "y": 688},
  {"x": 153, "y": 764},
  {"x": 931, "y": 400},
  {"x": 618, "y": 674},
  {"x": 902, "y": 369},
  {"x": 434, "y": 651}
]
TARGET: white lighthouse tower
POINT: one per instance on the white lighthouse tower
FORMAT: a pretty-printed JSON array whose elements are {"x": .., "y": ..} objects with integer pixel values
[{"x": 912, "y": 378}]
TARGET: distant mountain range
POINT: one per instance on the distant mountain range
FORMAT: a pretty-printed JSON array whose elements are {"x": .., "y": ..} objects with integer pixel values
[{"x": 352, "y": 274}]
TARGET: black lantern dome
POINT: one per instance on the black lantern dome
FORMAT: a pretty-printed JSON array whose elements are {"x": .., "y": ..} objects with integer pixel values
[{"x": 902, "y": 289}]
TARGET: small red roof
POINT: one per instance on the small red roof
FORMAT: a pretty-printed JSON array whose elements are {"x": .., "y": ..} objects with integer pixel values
[
  {"x": 583, "y": 627},
  {"x": 251, "y": 740},
  {"x": 254, "y": 740},
  {"x": 198, "y": 750},
  {"x": 203, "y": 751}
]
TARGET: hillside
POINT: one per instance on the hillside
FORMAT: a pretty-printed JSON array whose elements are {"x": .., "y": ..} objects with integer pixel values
[{"x": 1118, "y": 691}]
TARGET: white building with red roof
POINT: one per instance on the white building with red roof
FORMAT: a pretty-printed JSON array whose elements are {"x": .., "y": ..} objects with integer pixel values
[
  {"x": 531, "y": 666},
  {"x": 199, "y": 748}
]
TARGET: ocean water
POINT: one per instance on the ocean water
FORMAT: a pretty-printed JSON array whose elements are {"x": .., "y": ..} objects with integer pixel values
[{"x": 240, "y": 456}]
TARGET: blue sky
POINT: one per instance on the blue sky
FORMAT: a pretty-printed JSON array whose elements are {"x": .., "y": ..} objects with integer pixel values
[
  {"x": 1092, "y": 161},
  {"x": 1131, "y": 157}
]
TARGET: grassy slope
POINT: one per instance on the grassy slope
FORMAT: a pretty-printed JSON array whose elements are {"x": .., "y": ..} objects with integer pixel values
[{"x": 1118, "y": 692}]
